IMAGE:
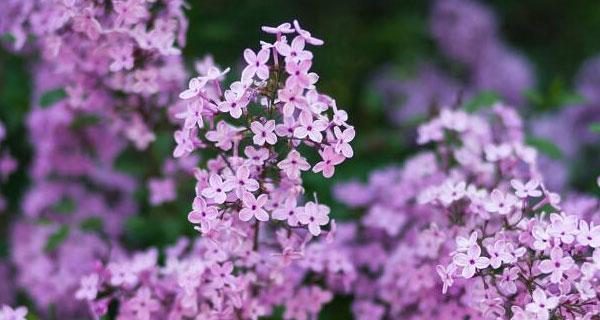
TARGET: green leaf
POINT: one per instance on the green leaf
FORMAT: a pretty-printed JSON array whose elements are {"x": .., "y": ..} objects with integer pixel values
[
  {"x": 83, "y": 121},
  {"x": 485, "y": 99},
  {"x": 8, "y": 37},
  {"x": 51, "y": 97},
  {"x": 64, "y": 206},
  {"x": 595, "y": 127},
  {"x": 545, "y": 146},
  {"x": 58, "y": 237},
  {"x": 93, "y": 224}
]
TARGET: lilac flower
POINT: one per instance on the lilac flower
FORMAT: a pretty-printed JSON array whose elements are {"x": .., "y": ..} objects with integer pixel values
[
  {"x": 289, "y": 211},
  {"x": 162, "y": 190},
  {"x": 263, "y": 132},
  {"x": 541, "y": 304},
  {"x": 343, "y": 141},
  {"x": 330, "y": 160},
  {"x": 298, "y": 72},
  {"x": 193, "y": 115},
  {"x": 89, "y": 288},
  {"x": 501, "y": 203},
  {"x": 314, "y": 215},
  {"x": 293, "y": 164},
  {"x": 528, "y": 189},
  {"x": 588, "y": 235},
  {"x": 253, "y": 207},
  {"x": 310, "y": 128},
  {"x": 201, "y": 212},
  {"x": 218, "y": 189},
  {"x": 556, "y": 265},
  {"x": 282, "y": 28},
  {"x": 8, "y": 313},
  {"x": 306, "y": 35},
  {"x": 143, "y": 305},
  {"x": 471, "y": 261},
  {"x": 256, "y": 65},
  {"x": 243, "y": 182},
  {"x": 446, "y": 275},
  {"x": 296, "y": 51}
]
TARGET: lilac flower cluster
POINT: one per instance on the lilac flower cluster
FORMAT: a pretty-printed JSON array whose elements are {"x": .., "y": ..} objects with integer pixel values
[
  {"x": 568, "y": 128},
  {"x": 466, "y": 31},
  {"x": 108, "y": 72},
  {"x": 255, "y": 229},
  {"x": 473, "y": 221}
]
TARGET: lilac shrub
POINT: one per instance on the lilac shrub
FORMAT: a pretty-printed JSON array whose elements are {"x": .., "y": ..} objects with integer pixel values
[
  {"x": 107, "y": 73},
  {"x": 255, "y": 226},
  {"x": 473, "y": 221},
  {"x": 466, "y": 32}
]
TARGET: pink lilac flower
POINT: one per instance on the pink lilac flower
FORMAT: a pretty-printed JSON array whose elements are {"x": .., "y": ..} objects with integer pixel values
[
  {"x": 314, "y": 215},
  {"x": 295, "y": 51},
  {"x": 263, "y": 132},
  {"x": 501, "y": 203},
  {"x": 471, "y": 261},
  {"x": 528, "y": 189},
  {"x": 588, "y": 235},
  {"x": 294, "y": 164},
  {"x": 217, "y": 191},
  {"x": 446, "y": 275},
  {"x": 193, "y": 115},
  {"x": 253, "y": 207},
  {"x": 8, "y": 313},
  {"x": 256, "y": 65},
  {"x": 282, "y": 28},
  {"x": 88, "y": 289},
  {"x": 556, "y": 265},
  {"x": 143, "y": 305},
  {"x": 243, "y": 182},
  {"x": 541, "y": 304},
  {"x": 289, "y": 211},
  {"x": 162, "y": 190},
  {"x": 330, "y": 160},
  {"x": 343, "y": 141},
  {"x": 201, "y": 212}
]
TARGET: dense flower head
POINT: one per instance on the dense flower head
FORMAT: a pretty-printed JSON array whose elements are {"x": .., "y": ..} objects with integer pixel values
[
  {"x": 256, "y": 250},
  {"x": 107, "y": 73},
  {"x": 472, "y": 220}
]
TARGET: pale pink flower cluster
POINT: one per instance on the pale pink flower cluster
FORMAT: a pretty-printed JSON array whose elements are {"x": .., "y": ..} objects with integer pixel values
[
  {"x": 255, "y": 252},
  {"x": 468, "y": 229}
]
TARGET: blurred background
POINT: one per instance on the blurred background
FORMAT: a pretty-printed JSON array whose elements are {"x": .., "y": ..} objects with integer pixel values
[{"x": 389, "y": 64}]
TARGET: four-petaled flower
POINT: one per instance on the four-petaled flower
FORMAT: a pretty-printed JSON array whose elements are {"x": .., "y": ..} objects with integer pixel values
[
  {"x": 263, "y": 133},
  {"x": 471, "y": 261},
  {"x": 88, "y": 288},
  {"x": 314, "y": 215},
  {"x": 253, "y": 207},
  {"x": 310, "y": 128},
  {"x": 293, "y": 164},
  {"x": 330, "y": 160},
  {"x": 217, "y": 189},
  {"x": 529, "y": 189},
  {"x": 556, "y": 265},
  {"x": 193, "y": 115},
  {"x": 501, "y": 203},
  {"x": 541, "y": 304},
  {"x": 201, "y": 212},
  {"x": 446, "y": 275},
  {"x": 257, "y": 65}
]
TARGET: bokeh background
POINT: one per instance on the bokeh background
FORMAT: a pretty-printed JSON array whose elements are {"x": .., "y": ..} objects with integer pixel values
[{"x": 371, "y": 48}]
